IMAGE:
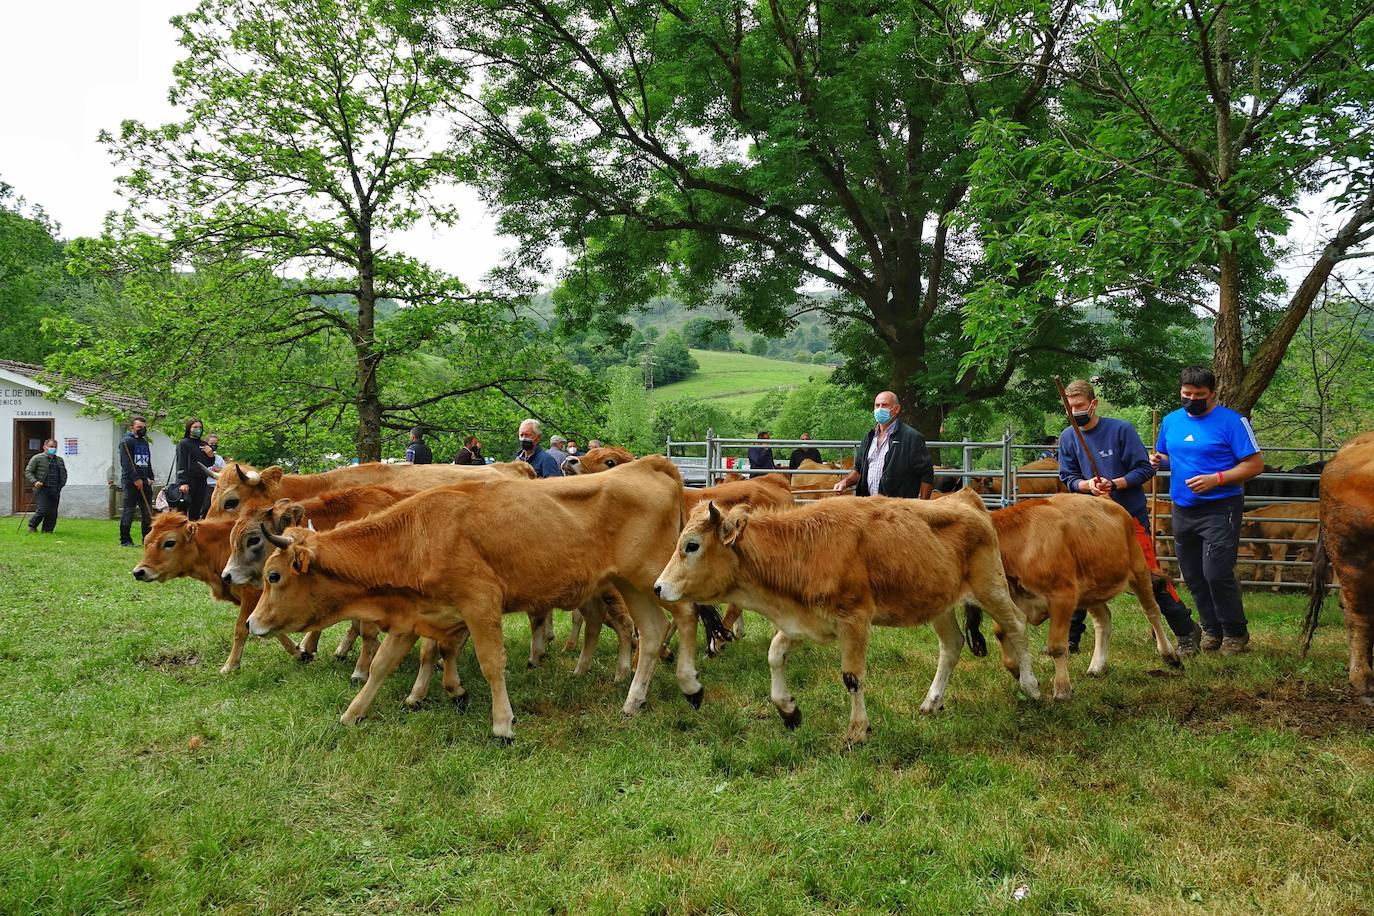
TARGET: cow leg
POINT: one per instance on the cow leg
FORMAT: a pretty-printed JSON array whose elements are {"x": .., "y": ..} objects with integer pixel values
[
  {"x": 346, "y": 644},
  {"x": 310, "y": 644},
  {"x": 734, "y": 620},
  {"x": 853, "y": 665},
  {"x": 1360, "y": 631},
  {"x": 951, "y": 644},
  {"x": 428, "y": 649},
  {"x": 370, "y": 634},
  {"x": 1061, "y": 605},
  {"x": 1145, "y": 594},
  {"x": 687, "y": 664},
  {"x": 779, "y": 693},
  {"x": 1102, "y": 631},
  {"x": 591, "y": 614},
  {"x": 240, "y": 637},
  {"x": 540, "y": 634},
  {"x": 1278, "y": 552},
  {"x": 290, "y": 646},
  {"x": 652, "y": 626},
  {"x": 571, "y": 642},
  {"x": 548, "y": 628},
  {"x": 394, "y": 648},
  {"x": 619, "y": 620},
  {"x": 490, "y": 646},
  {"x": 453, "y": 685},
  {"x": 1009, "y": 624}
]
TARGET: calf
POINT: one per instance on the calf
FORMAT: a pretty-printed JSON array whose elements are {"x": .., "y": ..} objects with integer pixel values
[
  {"x": 1068, "y": 551},
  {"x": 177, "y": 547},
  {"x": 451, "y": 560},
  {"x": 834, "y": 569},
  {"x": 1345, "y": 544}
]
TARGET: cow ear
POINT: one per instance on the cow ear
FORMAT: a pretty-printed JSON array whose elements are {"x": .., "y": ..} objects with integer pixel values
[
  {"x": 191, "y": 531},
  {"x": 272, "y": 474},
  {"x": 733, "y": 526},
  {"x": 292, "y": 516},
  {"x": 281, "y": 504},
  {"x": 300, "y": 559}
]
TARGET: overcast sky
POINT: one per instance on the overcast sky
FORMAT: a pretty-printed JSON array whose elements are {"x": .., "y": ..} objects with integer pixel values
[{"x": 71, "y": 70}]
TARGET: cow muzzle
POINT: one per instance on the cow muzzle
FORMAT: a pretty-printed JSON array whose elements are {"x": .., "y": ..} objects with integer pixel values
[
  {"x": 666, "y": 591},
  {"x": 257, "y": 627},
  {"x": 571, "y": 465},
  {"x": 144, "y": 574}
]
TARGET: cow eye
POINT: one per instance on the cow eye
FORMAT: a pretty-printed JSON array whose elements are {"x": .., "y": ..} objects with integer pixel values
[
  {"x": 691, "y": 547},
  {"x": 254, "y": 541},
  {"x": 230, "y": 504},
  {"x": 274, "y": 577},
  {"x": 168, "y": 545},
  {"x": 610, "y": 464}
]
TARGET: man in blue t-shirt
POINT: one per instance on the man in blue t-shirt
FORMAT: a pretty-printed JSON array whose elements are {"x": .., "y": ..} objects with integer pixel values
[
  {"x": 1125, "y": 467},
  {"x": 1211, "y": 451}
]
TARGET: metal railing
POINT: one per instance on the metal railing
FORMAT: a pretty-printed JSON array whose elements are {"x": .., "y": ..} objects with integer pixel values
[{"x": 710, "y": 461}]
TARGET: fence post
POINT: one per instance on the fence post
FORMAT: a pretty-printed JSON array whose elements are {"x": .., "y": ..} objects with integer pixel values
[
  {"x": 1009, "y": 482},
  {"x": 711, "y": 461},
  {"x": 669, "y": 447},
  {"x": 968, "y": 464}
]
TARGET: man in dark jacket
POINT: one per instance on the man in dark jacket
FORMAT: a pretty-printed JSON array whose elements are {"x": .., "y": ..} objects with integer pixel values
[
  {"x": 893, "y": 459},
  {"x": 47, "y": 474},
  {"x": 804, "y": 453},
  {"x": 531, "y": 431},
  {"x": 761, "y": 457},
  {"x": 136, "y": 479},
  {"x": 417, "y": 452},
  {"x": 470, "y": 453}
]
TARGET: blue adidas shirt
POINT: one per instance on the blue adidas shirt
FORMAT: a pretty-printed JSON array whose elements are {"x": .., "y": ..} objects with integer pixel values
[{"x": 1217, "y": 441}]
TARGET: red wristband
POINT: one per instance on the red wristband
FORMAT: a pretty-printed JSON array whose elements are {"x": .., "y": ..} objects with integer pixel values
[{"x": 1221, "y": 478}]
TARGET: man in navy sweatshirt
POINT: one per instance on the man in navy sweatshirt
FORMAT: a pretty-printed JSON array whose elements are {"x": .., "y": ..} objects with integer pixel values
[{"x": 1125, "y": 467}]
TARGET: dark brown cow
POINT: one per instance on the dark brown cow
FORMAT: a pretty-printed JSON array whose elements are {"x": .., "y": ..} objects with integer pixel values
[
  {"x": 838, "y": 567},
  {"x": 1346, "y": 545},
  {"x": 450, "y": 560},
  {"x": 176, "y": 547}
]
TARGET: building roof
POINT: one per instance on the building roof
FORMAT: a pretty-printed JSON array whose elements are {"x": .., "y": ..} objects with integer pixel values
[{"x": 78, "y": 390}]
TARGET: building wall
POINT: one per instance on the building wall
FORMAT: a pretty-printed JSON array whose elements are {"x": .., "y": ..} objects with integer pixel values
[{"x": 88, "y": 493}]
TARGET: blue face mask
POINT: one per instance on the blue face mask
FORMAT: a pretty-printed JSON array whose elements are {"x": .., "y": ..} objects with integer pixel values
[
  {"x": 882, "y": 415},
  {"x": 52, "y": 451}
]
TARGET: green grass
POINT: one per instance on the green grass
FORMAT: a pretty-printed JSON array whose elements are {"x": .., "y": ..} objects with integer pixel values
[
  {"x": 736, "y": 380},
  {"x": 1244, "y": 784}
]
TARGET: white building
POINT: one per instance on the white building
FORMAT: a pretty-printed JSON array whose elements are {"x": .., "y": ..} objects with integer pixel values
[{"x": 88, "y": 444}]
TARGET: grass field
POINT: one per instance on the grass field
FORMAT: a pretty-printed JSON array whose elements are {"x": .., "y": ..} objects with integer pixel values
[
  {"x": 736, "y": 380},
  {"x": 1242, "y": 785}
]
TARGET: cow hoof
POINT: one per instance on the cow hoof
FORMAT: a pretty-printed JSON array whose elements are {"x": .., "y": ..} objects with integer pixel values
[
  {"x": 356, "y": 679},
  {"x": 530, "y": 666},
  {"x": 411, "y": 705},
  {"x": 1174, "y": 661},
  {"x": 858, "y": 735},
  {"x": 346, "y": 719},
  {"x": 791, "y": 719},
  {"x": 505, "y": 740},
  {"x": 929, "y": 707},
  {"x": 1061, "y": 696},
  {"x": 695, "y": 698},
  {"x": 461, "y": 701},
  {"x": 340, "y": 656},
  {"x": 228, "y": 669},
  {"x": 1097, "y": 672},
  {"x": 305, "y": 657}
]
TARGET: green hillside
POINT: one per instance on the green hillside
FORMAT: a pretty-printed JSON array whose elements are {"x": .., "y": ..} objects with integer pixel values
[{"x": 736, "y": 380}]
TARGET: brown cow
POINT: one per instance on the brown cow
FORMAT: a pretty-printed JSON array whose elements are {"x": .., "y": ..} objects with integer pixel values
[
  {"x": 451, "y": 559},
  {"x": 1345, "y": 544},
  {"x": 1027, "y": 486},
  {"x": 1068, "y": 551},
  {"x": 176, "y": 547},
  {"x": 839, "y": 567},
  {"x": 1259, "y": 523},
  {"x": 240, "y": 486}
]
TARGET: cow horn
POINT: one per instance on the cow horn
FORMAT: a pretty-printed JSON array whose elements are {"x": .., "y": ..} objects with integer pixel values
[
  {"x": 310, "y": 523},
  {"x": 276, "y": 540},
  {"x": 253, "y": 477}
]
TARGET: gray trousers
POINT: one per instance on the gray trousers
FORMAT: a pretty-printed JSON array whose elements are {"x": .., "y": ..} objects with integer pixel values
[
  {"x": 1208, "y": 538},
  {"x": 47, "y": 499}
]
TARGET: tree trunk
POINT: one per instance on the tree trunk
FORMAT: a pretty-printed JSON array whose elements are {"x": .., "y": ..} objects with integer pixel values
[
  {"x": 1228, "y": 348},
  {"x": 368, "y": 398}
]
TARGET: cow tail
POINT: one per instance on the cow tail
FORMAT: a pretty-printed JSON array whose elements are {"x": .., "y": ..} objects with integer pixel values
[
  {"x": 973, "y": 634},
  {"x": 1316, "y": 592}
]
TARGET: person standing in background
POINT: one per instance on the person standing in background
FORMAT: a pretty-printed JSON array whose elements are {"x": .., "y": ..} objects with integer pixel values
[
  {"x": 804, "y": 453},
  {"x": 470, "y": 453},
  {"x": 194, "y": 457},
  {"x": 893, "y": 459},
  {"x": 46, "y": 472},
  {"x": 212, "y": 472},
  {"x": 136, "y": 480},
  {"x": 761, "y": 457},
  {"x": 417, "y": 452},
  {"x": 558, "y": 449}
]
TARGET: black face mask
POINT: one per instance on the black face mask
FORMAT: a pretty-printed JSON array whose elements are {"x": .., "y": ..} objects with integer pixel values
[
  {"x": 1195, "y": 406},
  {"x": 139, "y": 434},
  {"x": 1083, "y": 419},
  {"x": 526, "y": 445}
]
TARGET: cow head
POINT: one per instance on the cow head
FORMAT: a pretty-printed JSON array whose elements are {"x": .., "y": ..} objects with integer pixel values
[
  {"x": 241, "y": 487},
  {"x": 596, "y": 460},
  {"x": 169, "y": 550},
  {"x": 705, "y": 565},
  {"x": 250, "y": 548},
  {"x": 290, "y": 601}
]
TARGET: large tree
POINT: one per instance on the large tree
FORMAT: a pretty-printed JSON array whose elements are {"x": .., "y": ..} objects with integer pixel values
[
  {"x": 31, "y": 260},
  {"x": 310, "y": 138},
  {"x": 737, "y": 153},
  {"x": 1190, "y": 136}
]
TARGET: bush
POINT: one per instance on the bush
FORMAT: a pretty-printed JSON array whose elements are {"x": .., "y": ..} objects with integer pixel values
[{"x": 689, "y": 419}]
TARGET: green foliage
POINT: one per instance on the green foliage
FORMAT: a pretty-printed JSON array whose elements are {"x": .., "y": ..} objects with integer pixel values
[
  {"x": 31, "y": 278},
  {"x": 670, "y": 361},
  {"x": 824, "y": 410},
  {"x": 706, "y": 334},
  {"x": 628, "y": 413},
  {"x": 688, "y": 419}
]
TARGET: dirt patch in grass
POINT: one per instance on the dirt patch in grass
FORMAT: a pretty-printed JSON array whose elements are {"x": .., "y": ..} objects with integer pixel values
[
  {"x": 169, "y": 661},
  {"x": 1310, "y": 709}
]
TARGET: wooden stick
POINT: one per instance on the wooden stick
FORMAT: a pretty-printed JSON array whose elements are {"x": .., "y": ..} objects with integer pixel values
[
  {"x": 1073, "y": 424},
  {"x": 1154, "y": 480}
]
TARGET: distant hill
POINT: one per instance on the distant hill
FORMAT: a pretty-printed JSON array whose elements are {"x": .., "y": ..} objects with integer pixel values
[{"x": 736, "y": 380}]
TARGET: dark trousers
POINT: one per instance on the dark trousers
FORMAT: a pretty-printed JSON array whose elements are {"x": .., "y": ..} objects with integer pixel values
[
  {"x": 134, "y": 501},
  {"x": 196, "y": 501},
  {"x": 1208, "y": 537},
  {"x": 1171, "y": 608},
  {"x": 47, "y": 499}
]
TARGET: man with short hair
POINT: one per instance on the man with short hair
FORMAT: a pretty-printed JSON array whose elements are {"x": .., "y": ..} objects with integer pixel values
[
  {"x": 531, "y": 452},
  {"x": 594, "y": 443},
  {"x": 558, "y": 449},
  {"x": 893, "y": 459},
  {"x": 470, "y": 453},
  {"x": 1124, "y": 466},
  {"x": 417, "y": 452},
  {"x": 1211, "y": 451},
  {"x": 46, "y": 472},
  {"x": 761, "y": 457},
  {"x": 804, "y": 453},
  {"x": 136, "y": 479},
  {"x": 212, "y": 471}
]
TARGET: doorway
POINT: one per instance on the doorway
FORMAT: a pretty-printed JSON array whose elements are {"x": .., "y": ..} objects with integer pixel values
[{"x": 29, "y": 436}]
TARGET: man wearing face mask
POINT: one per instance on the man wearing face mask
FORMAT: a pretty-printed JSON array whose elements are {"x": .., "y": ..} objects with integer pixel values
[
  {"x": 46, "y": 472},
  {"x": 1211, "y": 451},
  {"x": 1125, "y": 467},
  {"x": 470, "y": 453},
  {"x": 136, "y": 479},
  {"x": 533, "y": 453},
  {"x": 893, "y": 459}
]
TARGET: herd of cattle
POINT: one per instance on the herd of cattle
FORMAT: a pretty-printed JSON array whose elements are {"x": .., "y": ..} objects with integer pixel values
[{"x": 437, "y": 554}]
